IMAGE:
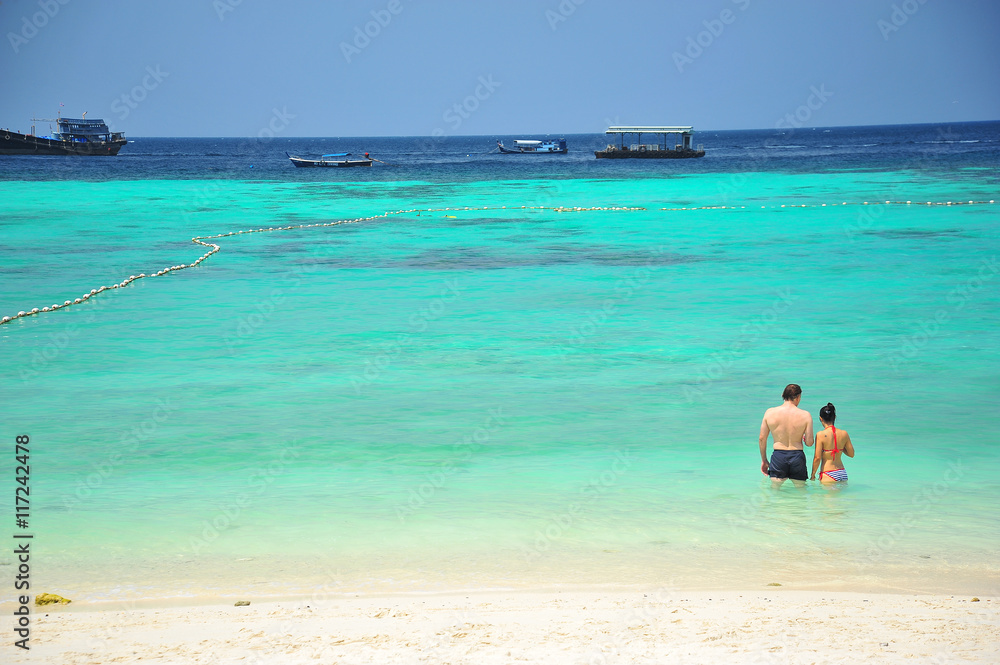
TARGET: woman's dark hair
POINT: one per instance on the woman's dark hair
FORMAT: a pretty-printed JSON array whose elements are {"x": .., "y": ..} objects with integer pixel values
[
  {"x": 828, "y": 413},
  {"x": 792, "y": 391}
]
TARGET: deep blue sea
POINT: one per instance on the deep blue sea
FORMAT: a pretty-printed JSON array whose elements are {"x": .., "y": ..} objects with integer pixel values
[
  {"x": 461, "y": 159},
  {"x": 534, "y": 371}
]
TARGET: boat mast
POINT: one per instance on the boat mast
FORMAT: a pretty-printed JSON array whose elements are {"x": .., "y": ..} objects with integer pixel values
[{"x": 34, "y": 120}]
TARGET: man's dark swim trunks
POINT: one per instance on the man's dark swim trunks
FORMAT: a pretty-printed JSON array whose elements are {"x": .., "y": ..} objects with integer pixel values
[{"x": 788, "y": 464}]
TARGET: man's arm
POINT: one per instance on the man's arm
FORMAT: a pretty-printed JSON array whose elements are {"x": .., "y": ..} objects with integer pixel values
[
  {"x": 809, "y": 440},
  {"x": 765, "y": 431}
]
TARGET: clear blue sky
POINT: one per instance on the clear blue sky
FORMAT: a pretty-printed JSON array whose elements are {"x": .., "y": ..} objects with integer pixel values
[{"x": 243, "y": 67}]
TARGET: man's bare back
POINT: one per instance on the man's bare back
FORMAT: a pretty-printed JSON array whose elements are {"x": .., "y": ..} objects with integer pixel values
[
  {"x": 791, "y": 428},
  {"x": 789, "y": 425}
]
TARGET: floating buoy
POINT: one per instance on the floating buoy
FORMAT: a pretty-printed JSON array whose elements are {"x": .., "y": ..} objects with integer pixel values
[{"x": 214, "y": 248}]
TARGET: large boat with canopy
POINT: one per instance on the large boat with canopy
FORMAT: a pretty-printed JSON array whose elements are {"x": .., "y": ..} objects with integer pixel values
[
  {"x": 76, "y": 136},
  {"x": 664, "y": 148}
]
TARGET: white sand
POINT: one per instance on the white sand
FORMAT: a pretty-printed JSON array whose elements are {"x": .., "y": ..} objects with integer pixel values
[{"x": 659, "y": 626}]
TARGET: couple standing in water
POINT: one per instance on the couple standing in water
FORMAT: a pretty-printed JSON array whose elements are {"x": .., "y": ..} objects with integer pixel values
[{"x": 792, "y": 428}]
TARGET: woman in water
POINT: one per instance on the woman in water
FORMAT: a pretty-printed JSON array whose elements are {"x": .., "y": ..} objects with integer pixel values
[{"x": 831, "y": 445}]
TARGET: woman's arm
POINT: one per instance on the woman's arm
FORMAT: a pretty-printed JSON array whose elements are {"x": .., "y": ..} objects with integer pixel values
[
  {"x": 848, "y": 447},
  {"x": 817, "y": 457}
]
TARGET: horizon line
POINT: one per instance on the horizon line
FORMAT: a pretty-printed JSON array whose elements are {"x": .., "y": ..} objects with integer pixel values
[{"x": 496, "y": 134}]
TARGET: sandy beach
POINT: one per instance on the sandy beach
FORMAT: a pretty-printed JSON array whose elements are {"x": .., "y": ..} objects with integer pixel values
[{"x": 655, "y": 626}]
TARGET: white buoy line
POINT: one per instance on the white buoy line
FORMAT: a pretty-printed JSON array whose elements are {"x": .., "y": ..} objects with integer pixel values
[
  {"x": 845, "y": 203},
  {"x": 216, "y": 248}
]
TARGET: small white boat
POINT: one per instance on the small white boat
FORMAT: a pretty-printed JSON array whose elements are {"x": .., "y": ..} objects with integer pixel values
[{"x": 531, "y": 147}]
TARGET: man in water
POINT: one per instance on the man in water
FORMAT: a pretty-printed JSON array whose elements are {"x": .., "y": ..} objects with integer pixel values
[{"x": 791, "y": 428}]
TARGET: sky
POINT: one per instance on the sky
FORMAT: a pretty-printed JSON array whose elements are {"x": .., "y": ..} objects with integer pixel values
[{"x": 495, "y": 67}]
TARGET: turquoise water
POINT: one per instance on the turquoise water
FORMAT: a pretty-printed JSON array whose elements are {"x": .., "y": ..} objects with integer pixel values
[{"x": 502, "y": 397}]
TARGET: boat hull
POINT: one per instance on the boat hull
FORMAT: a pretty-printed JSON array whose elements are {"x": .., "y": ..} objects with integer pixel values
[
  {"x": 12, "y": 143},
  {"x": 508, "y": 151}
]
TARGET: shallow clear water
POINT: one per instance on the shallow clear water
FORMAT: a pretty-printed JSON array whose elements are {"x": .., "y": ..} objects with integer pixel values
[{"x": 503, "y": 397}]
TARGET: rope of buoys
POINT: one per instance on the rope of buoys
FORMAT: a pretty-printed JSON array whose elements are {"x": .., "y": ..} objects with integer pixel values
[
  {"x": 216, "y": 248},
  {"x": 845, "y": 203}
]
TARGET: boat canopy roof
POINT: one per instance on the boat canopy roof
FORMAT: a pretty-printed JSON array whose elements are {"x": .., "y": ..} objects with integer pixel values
[
  {"x": 520, "y": 142},
  {"x": 648, "y": 129},
  {"x": 337, "y": 154},
  {"x": 80, "y": 121},
  {"x": 70, "y": 128}
]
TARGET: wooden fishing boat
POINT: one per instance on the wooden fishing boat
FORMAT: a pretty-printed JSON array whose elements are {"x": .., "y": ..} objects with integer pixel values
[{"x": 331, "y": 160}]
